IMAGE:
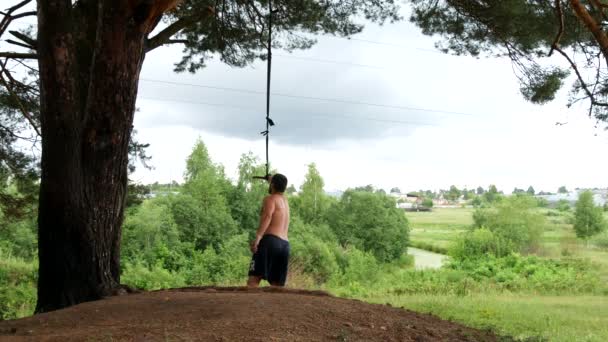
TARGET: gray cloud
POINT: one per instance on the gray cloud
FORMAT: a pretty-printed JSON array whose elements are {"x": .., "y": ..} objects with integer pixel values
[{"x": 299, "y": 121}]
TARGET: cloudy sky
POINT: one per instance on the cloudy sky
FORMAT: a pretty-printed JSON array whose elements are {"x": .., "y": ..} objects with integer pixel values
[{"x": 392, "y": 112}]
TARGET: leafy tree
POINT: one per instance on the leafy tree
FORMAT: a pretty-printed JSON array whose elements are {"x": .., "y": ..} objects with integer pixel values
[
  {"x": 588, "y": 218},
  {"x": 541, "y": 202},
  {"x": 514, "y": 219},
  {"x": 529, "y": 33},
  {"x": 367, "y": 188},
  {"x": 151, "y": 237},
  {"x": 246, "y": 197},
  {"x": 314, "y": 248},
  {"x": 395, "y": 191},
  {"x": 477, "y": 201},
  {"x": 453, "y": 194},
  {"x": 562, "y": 190},
  {"x": 202, "y": 210},
  {"x": 85, "y": 127},
  {"x": 313, "y": 203},
  {"x": 291, "y": 189},
  {"x": 492, "y": 194},
  {"x": 480, "y": 191},
  {"x": 518, "y": 191},
  {"x": 427, "y": 203},
  {"x": 531, "y": 191},
  {"x": 370, "y": 222},
  {"x": 136, "y": 194}
]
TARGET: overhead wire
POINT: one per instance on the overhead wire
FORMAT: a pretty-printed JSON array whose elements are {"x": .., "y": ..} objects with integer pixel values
[
  {"x": 310, "y": 98},
  {"x": 336, "y": 116}
]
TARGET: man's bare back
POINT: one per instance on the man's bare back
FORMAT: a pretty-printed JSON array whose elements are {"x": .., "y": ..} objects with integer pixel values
[
  {"x": 279, "y": 222},
  {"x": 271, "y": 246}
]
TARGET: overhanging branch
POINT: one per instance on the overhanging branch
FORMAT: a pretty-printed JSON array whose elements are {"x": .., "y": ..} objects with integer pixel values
[
  {"x": 24, "y": 111},
  {"x": 10, "y": 41},
  {"x": 164, "y": 36},
  {"x": 592, "y": 25},
  {"x": 560, "y": 33},
  {"x": 581, "y": 79},
  {"x": 25, "y": 38},
  {"x": 18, "y": 55},
  {"x": 9, "y": 17}
]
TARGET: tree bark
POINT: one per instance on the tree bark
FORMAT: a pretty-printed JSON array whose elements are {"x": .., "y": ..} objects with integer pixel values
[
  {"x": 592, "y": 25},
  {"x": 90, "y": 57}
]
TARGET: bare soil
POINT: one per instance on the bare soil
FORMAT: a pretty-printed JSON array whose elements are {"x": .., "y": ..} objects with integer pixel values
[{"x": 235, "y": 314}]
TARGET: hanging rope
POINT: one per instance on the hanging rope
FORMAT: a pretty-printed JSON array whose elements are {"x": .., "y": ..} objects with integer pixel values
[{"x": 269, "y": 121}]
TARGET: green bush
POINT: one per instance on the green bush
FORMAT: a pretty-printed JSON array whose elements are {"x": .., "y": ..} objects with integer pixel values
[
  {"x": 533, "y": 274},
  {"x": 151, "y": 278},
  {"x": 360, "y": 272},
  {"x": 562, "y": 205},
  {"x": 151, "y": 237},
  {"x": 371, "y": 222},
  {"x": 514, "y": 220},
  {"x": 314, "y": 248},
  {"x": 588, "y": 218},
  {"x": 17, "y": 287},
  {"x": 601, "y": 241},
  {"x": 480, "y": 243},
  {"x": 427, "y": 203},
  {"x": 229, "y": 266},
  {"x": 19, "y": 238}
]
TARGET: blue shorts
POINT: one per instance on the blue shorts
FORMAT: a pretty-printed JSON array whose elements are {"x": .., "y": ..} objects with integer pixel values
[{"x": 271, "y": 261}]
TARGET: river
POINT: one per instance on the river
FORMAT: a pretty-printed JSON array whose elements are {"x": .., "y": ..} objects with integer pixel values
[{"x": 425, "y": 259}]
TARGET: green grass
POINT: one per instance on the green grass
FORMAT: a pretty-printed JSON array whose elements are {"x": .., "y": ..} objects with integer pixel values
[
  {"x": 439, "y": 227},
  {"x": 554, "y": 318}
]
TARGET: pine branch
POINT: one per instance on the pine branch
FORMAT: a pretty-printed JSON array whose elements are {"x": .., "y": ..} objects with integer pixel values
[
  {"x": 560, "y": 33},
  {"x": 18, "y": 55},
  {"x": 164, "y": 36}
]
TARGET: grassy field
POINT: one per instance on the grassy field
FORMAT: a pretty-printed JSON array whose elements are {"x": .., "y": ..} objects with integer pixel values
[
  {"x": 442, "y": 226},
  {"x": 552, "y": 318},
  {"x": 531, "y": 318},
  {"x": 439, "y": 227}
]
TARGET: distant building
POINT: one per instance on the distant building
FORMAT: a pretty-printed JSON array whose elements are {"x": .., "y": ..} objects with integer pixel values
[{"x": 600, "y": 196}]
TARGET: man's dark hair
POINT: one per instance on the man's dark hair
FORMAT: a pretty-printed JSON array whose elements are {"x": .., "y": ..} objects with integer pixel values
[{"x": 279, "y": 182}]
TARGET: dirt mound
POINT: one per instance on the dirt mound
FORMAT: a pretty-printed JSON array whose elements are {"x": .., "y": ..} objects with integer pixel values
[{"x": 234, "y": 314}]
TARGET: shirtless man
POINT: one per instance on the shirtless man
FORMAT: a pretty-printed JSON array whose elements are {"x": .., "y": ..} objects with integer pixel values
[{"x": 271, "y": 248}]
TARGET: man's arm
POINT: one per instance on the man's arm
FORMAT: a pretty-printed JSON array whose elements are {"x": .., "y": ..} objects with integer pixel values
[{"x": 265, "y": 219}]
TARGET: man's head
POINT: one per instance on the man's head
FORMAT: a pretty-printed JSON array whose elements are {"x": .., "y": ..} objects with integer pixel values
[{"x": 278, "y": 184}]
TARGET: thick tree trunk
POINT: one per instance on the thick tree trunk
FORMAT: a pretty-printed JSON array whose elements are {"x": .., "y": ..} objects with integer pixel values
[{"x": 90, "y": 60}]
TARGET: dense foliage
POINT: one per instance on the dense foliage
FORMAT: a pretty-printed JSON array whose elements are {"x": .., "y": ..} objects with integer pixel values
[
  {"x": 512, "y": 225},
  {"x": 197, "y": 233},
  {"x": 588, "y": 218}
]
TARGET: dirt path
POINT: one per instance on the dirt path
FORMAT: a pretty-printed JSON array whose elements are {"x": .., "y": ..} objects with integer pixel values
[{"x": 234, "y": 314}]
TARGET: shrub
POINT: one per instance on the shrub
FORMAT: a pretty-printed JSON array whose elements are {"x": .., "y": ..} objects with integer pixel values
[
  {"x": 371, "y": 222},
  {"x": 513, "y": 220},
  {"x": 360, "y": 272},
  {"x": 17, "y": 287},
  {"x": 226, "y": 267},
  {"x": 151, "y": 278},
  {"x": 588, "y": 218},
  {"x": 427, "y": 203},
  {"x": 601, "y": 241},
  {"x": 480, "y": 243},
  {"x": 562, "y": 205}
]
